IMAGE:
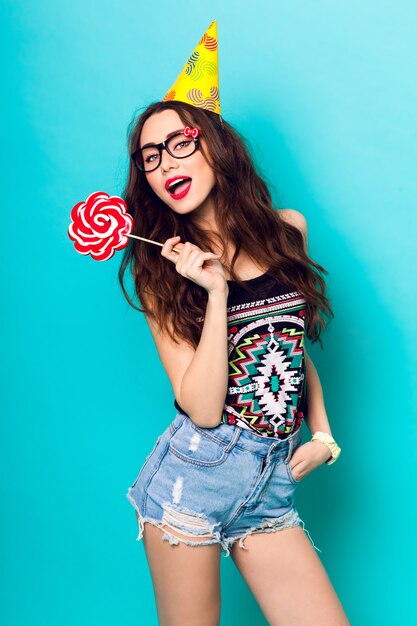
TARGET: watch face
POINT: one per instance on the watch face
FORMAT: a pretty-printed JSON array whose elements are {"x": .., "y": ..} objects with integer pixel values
[
  {"x": 327, "y": 438},
  {"x": 324, "y": 437}
]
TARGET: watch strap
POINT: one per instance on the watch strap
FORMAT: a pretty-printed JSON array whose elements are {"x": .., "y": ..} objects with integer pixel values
[{"x": 326, "y": 438}]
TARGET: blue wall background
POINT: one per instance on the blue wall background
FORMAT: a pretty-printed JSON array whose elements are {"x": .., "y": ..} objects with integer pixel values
[{"x": 326, "y": 94}]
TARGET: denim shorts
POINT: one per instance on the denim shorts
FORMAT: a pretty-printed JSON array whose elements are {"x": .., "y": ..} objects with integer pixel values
[{"x": 217, "y": 484}]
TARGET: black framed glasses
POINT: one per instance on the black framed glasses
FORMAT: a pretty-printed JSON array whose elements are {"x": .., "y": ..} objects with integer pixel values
[{"x": 180, "y": 146}]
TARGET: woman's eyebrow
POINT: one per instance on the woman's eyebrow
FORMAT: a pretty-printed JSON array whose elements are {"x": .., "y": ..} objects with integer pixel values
[{"x": 174, "y": 132}]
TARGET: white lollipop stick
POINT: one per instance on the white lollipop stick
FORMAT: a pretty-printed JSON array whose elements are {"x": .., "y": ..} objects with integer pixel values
[{"x": 150, "y": 241}]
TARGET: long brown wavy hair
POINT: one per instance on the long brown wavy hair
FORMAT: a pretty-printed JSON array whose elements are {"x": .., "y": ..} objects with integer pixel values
[{"x": 246, "y": 219}]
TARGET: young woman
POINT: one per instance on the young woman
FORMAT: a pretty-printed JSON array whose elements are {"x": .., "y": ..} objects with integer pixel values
[{"x": 227, "y": 300}]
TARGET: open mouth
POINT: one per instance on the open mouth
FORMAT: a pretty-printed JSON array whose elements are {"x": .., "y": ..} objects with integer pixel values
[{"x": 179, "y": 188}]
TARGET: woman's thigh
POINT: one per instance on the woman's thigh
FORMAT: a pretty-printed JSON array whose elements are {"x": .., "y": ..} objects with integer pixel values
[
  {"x": 186, "y": 580},
  {"x": 288, "y": 580}
]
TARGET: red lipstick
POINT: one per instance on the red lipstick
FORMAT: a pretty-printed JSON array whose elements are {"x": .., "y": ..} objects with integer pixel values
[{"x": 184, "y": 185}]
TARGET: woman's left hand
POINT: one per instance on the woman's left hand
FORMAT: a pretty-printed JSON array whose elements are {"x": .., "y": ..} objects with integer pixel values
[{"x": 307, "y": 457}]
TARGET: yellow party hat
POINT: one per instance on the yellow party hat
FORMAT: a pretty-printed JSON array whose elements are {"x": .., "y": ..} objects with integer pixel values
[{"x": 198, "y": 83}]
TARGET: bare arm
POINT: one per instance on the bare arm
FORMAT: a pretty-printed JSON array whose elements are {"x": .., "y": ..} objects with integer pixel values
[
  {"x": 316, "y": 416},
  {"x": 199, "y": 376},
  {"x": 204, "y": 385}
]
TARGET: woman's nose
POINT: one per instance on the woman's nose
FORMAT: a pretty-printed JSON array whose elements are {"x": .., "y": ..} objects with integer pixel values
[{"x": 167, "y": 161}]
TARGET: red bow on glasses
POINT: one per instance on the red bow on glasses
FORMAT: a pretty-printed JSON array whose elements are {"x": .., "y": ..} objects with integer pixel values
[{"x": 193, "y": 132}]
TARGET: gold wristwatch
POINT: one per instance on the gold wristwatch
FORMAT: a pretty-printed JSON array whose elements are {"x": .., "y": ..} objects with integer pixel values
[{"x": 330, "y": 443}]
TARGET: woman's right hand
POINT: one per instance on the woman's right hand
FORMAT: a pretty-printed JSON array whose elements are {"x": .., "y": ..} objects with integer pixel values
[{"x": 203, "y": 268}]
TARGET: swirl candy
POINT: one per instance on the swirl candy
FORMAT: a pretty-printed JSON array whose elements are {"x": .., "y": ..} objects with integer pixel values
[{"x": 101, "y": 225}]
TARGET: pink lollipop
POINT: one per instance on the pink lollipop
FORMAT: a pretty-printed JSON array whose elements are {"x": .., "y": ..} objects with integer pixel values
[{"x": 101, "y": 225}]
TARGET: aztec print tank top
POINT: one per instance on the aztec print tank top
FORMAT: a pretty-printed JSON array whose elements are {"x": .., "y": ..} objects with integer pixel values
[{"x": 267, "y": 375}]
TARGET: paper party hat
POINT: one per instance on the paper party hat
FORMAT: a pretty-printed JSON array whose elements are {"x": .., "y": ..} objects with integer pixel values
[{"x": 198, "y": 83}]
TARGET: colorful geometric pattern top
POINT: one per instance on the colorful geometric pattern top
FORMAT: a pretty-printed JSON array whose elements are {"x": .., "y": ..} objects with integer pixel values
[{"x": 267, "y": 375}]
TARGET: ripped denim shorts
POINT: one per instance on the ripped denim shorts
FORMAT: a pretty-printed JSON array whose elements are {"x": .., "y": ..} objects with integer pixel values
[{"x": 217, "y": 484}]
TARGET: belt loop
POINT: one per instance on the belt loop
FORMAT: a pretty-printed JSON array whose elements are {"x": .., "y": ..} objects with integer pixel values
[
  {"x": 290, "y": 448},
  {"x": 233, "y": 440},
  {"x": 179, "y": 418}
]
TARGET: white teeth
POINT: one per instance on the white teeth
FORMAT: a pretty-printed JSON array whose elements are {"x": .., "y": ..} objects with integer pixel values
[{"x": 175, "y": 182}]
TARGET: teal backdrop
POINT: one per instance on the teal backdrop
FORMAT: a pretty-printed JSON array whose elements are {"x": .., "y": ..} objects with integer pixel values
[{"x": 325, "y": 93}]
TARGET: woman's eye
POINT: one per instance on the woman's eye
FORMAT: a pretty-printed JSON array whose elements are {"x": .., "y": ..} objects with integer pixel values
[
  {"x": 182, "y": 144},
  {"x": 150, "y": 158}
]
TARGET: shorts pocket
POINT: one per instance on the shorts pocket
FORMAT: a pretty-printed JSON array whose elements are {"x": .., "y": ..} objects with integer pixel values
[
  {"x": 191, "y": 444},
  {"x": 290, "y": 473}
]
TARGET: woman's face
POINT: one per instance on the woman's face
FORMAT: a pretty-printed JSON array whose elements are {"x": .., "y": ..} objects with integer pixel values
[{"x": 194, "y": 167}]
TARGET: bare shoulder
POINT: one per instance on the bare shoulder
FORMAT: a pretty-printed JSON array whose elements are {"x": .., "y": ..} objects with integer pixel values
[
  {"x": 297, "y": 219},
  {"x": 294, "y": 217},
  {"x": 175, "y": 357}
]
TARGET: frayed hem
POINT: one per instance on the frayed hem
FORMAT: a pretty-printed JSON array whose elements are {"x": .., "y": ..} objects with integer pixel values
[
  {"x": 173, "y": 539},
  {"x": 309, "y": 536},
  {"x": 288, "y": 520}
]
